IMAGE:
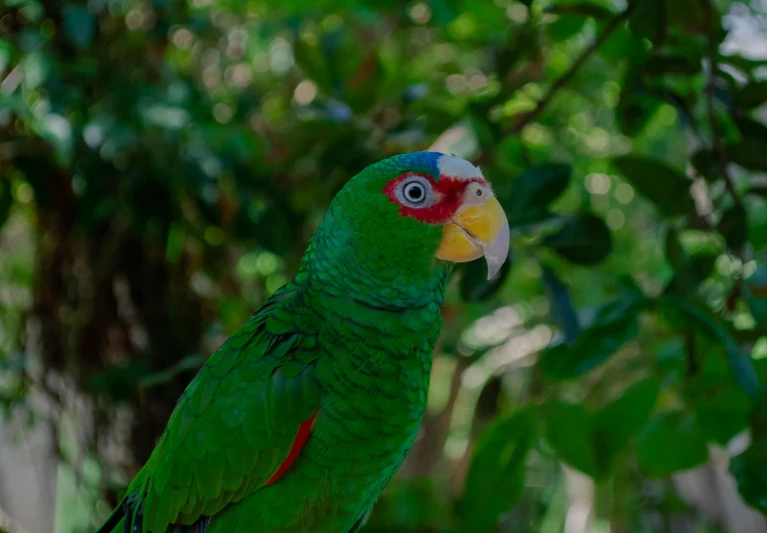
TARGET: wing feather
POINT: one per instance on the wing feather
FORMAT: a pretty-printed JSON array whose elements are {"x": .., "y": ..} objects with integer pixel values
[{"x": 236, "y": 422}]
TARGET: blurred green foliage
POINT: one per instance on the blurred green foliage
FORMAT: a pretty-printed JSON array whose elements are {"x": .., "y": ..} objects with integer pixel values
[{"x": 163, "y": 164}]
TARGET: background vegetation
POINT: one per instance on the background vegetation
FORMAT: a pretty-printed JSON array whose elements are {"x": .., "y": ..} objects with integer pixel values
[{"x": 163, "y": 164}]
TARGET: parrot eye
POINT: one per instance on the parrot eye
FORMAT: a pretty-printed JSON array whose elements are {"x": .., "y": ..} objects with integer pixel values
[{"x": 415, "y": 192}]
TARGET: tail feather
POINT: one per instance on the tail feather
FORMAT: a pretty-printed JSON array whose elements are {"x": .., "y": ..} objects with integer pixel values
[
  {"x": 136, "y": 522},
  {"x": 362, "y": 521},
  {"x": 128, "y": 517},
  {"x": 113, "y": 520}
]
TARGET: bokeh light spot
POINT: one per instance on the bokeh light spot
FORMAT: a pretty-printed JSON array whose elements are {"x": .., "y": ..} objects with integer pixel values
[
  {"x": 214, "y": 235},
  {"x": 305, "y": 92},
  {"x": 624, "y": 193},
  {"x": 420, "y": 13},
  {"x": 615, "y": 219}
]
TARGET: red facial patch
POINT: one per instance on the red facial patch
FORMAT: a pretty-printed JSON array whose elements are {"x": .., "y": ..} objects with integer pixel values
[{"x": 448, "y": 192}]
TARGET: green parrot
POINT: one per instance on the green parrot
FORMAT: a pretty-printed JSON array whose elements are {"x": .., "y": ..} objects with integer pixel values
[{"x": 300, "y": 419}]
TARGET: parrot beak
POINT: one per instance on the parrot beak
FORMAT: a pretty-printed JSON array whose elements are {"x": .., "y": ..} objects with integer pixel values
[{"x": 474, "y": 231}]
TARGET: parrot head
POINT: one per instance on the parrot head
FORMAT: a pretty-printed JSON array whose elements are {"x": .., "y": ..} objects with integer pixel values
[{"x": 417, "y": 213}]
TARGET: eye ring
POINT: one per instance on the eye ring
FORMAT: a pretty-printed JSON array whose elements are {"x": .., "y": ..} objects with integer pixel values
[{"x": 415, "y": 192}]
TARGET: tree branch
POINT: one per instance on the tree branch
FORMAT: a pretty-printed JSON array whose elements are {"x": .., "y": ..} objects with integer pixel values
[{"x": 572, "y": 71}]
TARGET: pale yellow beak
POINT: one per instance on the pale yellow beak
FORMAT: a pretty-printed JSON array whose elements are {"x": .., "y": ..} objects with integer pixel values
[{"x": 476, "y": 231}]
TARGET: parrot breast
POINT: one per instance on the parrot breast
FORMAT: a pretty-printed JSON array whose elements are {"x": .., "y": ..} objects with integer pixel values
[{"x": 374, "y": 380}]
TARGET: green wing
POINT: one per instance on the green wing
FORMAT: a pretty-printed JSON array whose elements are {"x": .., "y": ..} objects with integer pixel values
[{"x": 235, "y": 423}]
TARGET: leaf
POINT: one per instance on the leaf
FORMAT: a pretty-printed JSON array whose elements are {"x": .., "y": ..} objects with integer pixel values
[
  {"x": 734, "y": 227},
  {"x": 723, "y": 414},
  {"x": 496, "y": 476},
  {"x": 682, "y": 104},
  {"x": 676, "y": 256},
  {"x": 592, "y": 442},
  {"x": 689, "y": 272},
  {"x": 593, "y": 348},
  {"x": 758, "y": 191},
  {"x": 584, "y": 9},
  {"x": 533, "y": 191},
  {"x": 671, "y": 359},
  {"x": 6, "y": 53},
  {"x": 672, "y": 64},
  {"x": 517, "y": 48},
  {"x": 117, "y": 382},
  {"x": 79, "y": 24},
  {"x": 561, "y": 305},
  {"x": 742, "y": 63},
  {"x": 662, "y": 184},
  {"x": 570, "y": 431},
  {"x": 684, "y": 313},
  {"x": 750, "y": 472},
  {"x": 704, "y": 163},
  {"x": 648, "y": 19},
  {"x": 475, "y": 287},
  {"x": 752, "y": 95},
  {"x": 703, "y": 265},
  {"x": 725, "y": 86},
  {"x": 671, "y": 442},
  {"x": 751, "y": 128},
  {"x": 616, "y": 323},
  {"x": 584, "y": 239},
  {"x": 748, "y": 153},
  {"x": 565, "y": 27},
  {"x": 622, "y": 420},
  {"x": 634, "y": 111}
]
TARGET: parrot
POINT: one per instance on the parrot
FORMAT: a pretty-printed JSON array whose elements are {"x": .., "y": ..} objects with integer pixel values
[{"x": 298, "y": 421}]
